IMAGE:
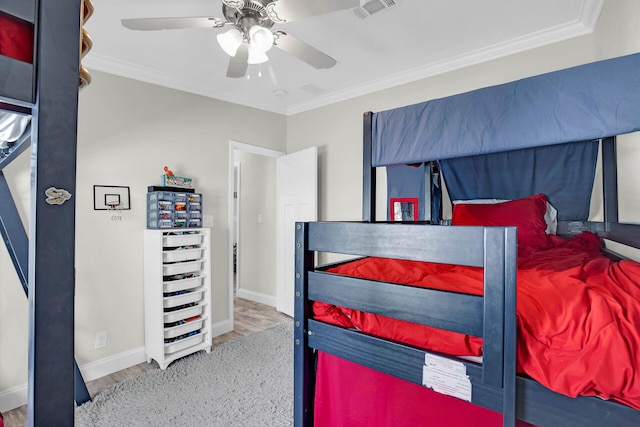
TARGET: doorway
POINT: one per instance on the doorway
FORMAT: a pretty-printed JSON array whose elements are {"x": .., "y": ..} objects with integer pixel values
[{"x": 251, "y": 228}]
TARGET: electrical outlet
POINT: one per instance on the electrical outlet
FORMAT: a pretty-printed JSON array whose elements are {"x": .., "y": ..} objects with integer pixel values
[{"x": 101, "y": 340}]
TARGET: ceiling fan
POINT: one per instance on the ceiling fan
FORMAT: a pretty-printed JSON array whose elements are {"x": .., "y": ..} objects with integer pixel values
[{"x": 252, "y": 34}]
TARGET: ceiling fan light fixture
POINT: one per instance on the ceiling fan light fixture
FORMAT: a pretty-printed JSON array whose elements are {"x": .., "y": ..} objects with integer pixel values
[
  {"x": 261, "y": 38},
  {"x": 230, "y": 41},
  {"x": 256, "y": 56}
]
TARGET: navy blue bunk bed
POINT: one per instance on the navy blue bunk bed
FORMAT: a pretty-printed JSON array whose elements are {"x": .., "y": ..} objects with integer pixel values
[
  {"x": 45, "y": 89},
  {"x": 592, "y": 103}
]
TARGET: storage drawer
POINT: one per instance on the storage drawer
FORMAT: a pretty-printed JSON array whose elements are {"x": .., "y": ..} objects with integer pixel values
[
  {"x": 160, "y": 196},
  {"x": 184, "y": 328},
  {"x": 183, "y": 298},
  {"x": 185, "y": 313},
  {"x": 181, "y": 268},
  {"x": 159, "y": 223},
  {"x": 183, "y": 343},
  {"x": 172, "y": 241},
  {"x": 160, "y": 215},
  {"x": 160, "y": 205},
  {"x": 177, "y": 255},
  {"x": 181, "y": 197},
  {"x": 179, "y": 223},
  {"x": 182, "y": 284}
]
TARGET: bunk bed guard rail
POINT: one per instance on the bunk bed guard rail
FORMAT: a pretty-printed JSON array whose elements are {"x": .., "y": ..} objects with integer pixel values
[{"x": 493, "y": 317}]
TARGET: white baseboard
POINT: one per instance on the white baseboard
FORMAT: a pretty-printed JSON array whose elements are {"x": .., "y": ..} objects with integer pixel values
[
  {"x": 257, "y": 297},
  {"x": 118, "y": 362},
  {"x": 220, "y": 328},
  {"x": 13, "y": 398},
  {"x": 18, "y": 396}
]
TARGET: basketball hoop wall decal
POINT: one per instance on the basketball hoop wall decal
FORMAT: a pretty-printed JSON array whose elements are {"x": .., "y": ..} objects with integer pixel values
[{"x": 114, "y": 198}]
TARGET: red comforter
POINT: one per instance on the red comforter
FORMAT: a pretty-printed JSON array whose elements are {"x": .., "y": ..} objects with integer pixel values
[
  {"x": 578, "y": 315},
  {"x": 16, "y": 39}
]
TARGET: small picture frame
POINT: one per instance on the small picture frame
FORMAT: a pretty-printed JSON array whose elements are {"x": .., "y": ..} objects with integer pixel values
[
  {"x": 107, "y": 197},
  {"x": 403, "y": 208}
]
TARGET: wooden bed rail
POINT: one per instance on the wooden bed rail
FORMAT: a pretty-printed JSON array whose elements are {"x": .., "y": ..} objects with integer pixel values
[{"x": 492, "y": 317}]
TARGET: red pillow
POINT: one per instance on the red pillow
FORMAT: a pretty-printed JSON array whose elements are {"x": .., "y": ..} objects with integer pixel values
[{"x": 527, "y": 214}]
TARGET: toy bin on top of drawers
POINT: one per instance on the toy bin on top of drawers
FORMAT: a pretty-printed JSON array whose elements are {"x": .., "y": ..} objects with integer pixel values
[
  {"x": 177, "y": 293},
  {"x": 171, "y": 209}
]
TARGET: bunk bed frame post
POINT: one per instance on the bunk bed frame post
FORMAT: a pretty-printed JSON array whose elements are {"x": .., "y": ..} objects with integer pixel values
[
  {"x": 368, "y": 171},
  {"x": 52, "y": 227},
  {"x": 303, "y": 355},
  {"x": 510, "y": 328},
  {"x": 499, "y": 334},
  {"x": 609, "y": 180}
]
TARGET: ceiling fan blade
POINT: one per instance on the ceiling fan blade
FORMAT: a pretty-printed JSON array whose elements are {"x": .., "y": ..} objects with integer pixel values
[
  {"x": 151, "y": 24},
  {"x": 291, "y": 10},
  {"x": 238, "y": 64},
  {"x": 303, "y": 51}
]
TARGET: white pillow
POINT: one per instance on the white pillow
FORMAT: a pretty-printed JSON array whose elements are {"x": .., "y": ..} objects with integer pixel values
[{"x": 550, "y": 215}]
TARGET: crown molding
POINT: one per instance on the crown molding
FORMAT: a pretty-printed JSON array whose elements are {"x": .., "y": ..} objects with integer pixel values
[
  {"x": 136, "y": 72},
  {"x": 586, "y": 23},
  {"x": 583, "y": 25}
]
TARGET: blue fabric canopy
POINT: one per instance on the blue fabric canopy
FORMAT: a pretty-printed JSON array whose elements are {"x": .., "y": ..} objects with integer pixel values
[
  {"x": 564, "y": 173},
  {"x": 582, "y": 103}
]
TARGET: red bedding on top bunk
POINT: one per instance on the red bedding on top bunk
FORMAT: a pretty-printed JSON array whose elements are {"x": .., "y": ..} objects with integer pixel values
[
  {"x": 578, "y": 315},
  {"x": 16, "y": 39}
]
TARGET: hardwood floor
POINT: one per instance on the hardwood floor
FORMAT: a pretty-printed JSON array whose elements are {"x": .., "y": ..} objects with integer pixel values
[{"x": 249, "y": 317}]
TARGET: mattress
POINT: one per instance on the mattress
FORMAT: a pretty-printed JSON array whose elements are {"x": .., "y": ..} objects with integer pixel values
[{"x": 577, "y": 315}]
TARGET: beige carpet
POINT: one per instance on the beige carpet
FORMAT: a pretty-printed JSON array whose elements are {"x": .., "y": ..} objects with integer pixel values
[{"x": 247, "y": 382}]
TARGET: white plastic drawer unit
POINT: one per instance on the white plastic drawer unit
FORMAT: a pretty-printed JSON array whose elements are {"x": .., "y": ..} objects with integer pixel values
[
  {"x": 182, "y": 297},
  {"x": 183, "y": 343},
  {"x": 183, "y": 313},
  {"x": 186, "y": 254},
  {"x": 182, "y": 284},
  {"x": 182, "y": 267},
  {"x": 184, "y": 327},
  {"x": 176, "y": 240},
  {"x": 177, "y": 292}
]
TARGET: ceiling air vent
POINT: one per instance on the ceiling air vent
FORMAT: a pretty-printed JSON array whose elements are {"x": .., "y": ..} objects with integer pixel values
[{"x": 372, "y": 7}]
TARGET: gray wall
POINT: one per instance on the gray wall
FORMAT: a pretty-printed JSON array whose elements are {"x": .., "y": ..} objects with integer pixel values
[{"x": 128, "y": 131}]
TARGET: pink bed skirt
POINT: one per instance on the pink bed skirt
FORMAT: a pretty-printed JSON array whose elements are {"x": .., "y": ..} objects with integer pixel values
[{"x": 351, "y": 395}]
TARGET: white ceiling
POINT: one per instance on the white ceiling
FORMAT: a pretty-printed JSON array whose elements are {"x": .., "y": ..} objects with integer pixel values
[{"x": 410, "y": 40}]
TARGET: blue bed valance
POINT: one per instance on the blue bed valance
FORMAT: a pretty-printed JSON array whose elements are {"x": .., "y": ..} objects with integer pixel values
[
  {"x": 582, "y": 103},
  {"x": 564, "y": 173}
]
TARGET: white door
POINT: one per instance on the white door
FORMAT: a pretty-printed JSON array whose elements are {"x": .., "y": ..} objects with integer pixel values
[{"x": 297, "y": 181}]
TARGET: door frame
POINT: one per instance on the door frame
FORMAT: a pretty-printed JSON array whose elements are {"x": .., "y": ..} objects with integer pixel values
[{"x": 254, "y": 149}]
